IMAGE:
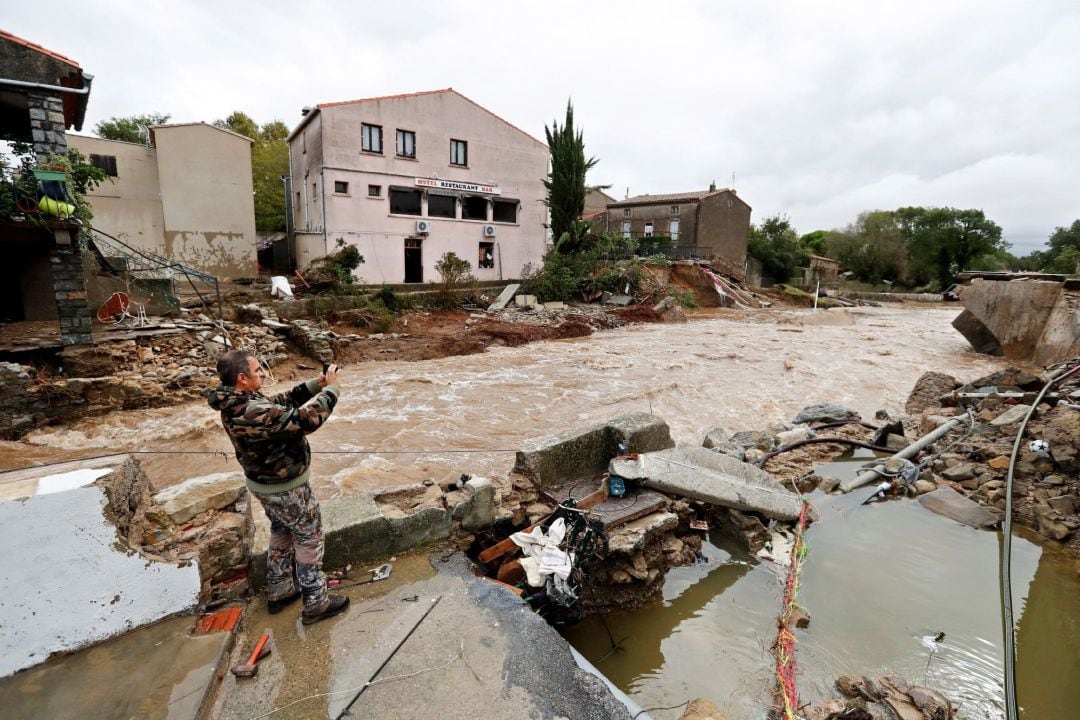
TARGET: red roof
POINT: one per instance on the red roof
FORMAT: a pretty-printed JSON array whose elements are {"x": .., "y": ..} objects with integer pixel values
[{"x": 4, "y": 34}]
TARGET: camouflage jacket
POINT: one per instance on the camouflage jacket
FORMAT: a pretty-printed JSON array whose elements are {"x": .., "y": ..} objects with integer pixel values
[{"x": 268, "y": 432}]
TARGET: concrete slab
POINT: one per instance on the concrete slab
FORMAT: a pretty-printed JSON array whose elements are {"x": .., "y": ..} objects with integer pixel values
[
  {"x": 480, "y": 652},
  {"x": 504, "y": 297},
  {"x": 76, "y": 585},
  {"x": 158, "y": 672},
  {"x": 946, "y": 501},
  {"x": 584, "y": 452},
  {"x": 712, "y": 477},
  {"x": 185, "y": 500}
]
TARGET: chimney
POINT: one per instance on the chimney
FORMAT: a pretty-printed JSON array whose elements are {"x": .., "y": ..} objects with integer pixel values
[{"x": 712, "y": 186}]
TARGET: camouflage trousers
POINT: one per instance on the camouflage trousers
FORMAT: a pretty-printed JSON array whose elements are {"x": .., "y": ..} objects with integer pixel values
[{"x": 296, "y": 539}]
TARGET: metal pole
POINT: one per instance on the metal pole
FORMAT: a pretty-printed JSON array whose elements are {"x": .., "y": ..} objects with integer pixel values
[{"x": 868, "y": 476}]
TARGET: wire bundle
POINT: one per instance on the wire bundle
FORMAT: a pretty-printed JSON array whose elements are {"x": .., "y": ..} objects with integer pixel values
[{"x": 784, "y": 645}]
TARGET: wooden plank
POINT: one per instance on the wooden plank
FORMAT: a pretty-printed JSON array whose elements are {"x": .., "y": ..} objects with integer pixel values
[
  {"x": 517, "y": 591},
  {"x": 510, "y": 573},
  {"x": 507, "y": 546}
]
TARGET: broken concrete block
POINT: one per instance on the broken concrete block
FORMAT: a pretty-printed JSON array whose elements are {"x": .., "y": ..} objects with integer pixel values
[
  {"x": 711, "y": 477},
  {"x": 198, "y": 495},
  {"x": 946, "y": 501},
  {"x": 621, "y": 300},
  {"x": 554, "y": 305},
  {"x": 480, "y": 509},
  {"x": 504, "y": 297},
  {"x": 1013, "y": 415},
  {"x": 586, "y": 451}
]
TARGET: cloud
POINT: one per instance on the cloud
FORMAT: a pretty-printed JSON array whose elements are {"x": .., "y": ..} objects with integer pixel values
[{"x": 820, "y": 110}]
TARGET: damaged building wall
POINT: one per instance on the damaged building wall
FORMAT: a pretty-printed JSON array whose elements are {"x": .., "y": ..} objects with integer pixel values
[{"x": 186, "y": 195}]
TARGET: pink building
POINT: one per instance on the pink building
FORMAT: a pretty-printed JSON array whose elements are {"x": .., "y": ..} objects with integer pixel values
[{"x": 407, "y": 178}]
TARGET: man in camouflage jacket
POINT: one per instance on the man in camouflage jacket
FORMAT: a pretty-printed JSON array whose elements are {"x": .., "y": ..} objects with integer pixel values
[{"x": 269, "y": 436}]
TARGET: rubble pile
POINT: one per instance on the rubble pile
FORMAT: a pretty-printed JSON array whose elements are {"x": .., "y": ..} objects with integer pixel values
[
  {"x": 166, "y": 367},
  {"x": 866, "y": 698}
]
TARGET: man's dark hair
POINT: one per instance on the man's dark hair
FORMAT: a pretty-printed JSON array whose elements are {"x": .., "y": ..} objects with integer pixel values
[{"x": 232, "y": 364}]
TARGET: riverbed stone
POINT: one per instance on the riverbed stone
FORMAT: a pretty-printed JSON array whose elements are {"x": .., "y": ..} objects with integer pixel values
[
  {"x": 924, "y": 486},
  {"x": 928, "y": 391},
  {"x": 825, "y": 412},
  {"x": 946, "y": 501},
  {"x": 959, "y": 472},
  {"x": 1048, "y": 524},
  {"x": 1063, "y": 504},
  {"x": 480, "y": 507},
  {"x": 198, "y": 495}
]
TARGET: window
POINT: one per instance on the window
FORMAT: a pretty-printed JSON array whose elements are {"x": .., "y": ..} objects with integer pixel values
[
  {"x": 444, "y": 206},
  {"x": 459, "y": 152},
  {"x": 314, "y": 191},
  {"x": 674, "y": 209},
  {"x": 374, "y": 190},
  {"x": 104, "y": 162},
  {"x": 487, "y": 255},
  {"x": 404, "y": 202},
  {"x": 504, "y": 211},
  {"x": 648, "y": 229},
  {"x": 474, "y": 208},
  {"x": 627, "y": 212},
  {"x": 371, "y": 138},
  {"x": 406, "y": 143},
  {"x": 341, "y": 187},
  {"x": 626, "y": 230},
  {"x": 674, "y": 232}
]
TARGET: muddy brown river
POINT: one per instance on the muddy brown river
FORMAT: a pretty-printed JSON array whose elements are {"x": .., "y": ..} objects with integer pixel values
[{"x": 878, "y": 578}]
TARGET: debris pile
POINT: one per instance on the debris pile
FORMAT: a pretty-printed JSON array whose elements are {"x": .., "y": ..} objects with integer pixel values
[{"x": 866, "y": 698}]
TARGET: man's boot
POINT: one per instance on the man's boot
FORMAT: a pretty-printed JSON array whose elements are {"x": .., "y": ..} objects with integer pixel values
[{"x": 335, "y": 605}]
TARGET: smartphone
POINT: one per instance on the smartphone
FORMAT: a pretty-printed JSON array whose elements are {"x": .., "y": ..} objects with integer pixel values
[{"x": 325, "y": 368}]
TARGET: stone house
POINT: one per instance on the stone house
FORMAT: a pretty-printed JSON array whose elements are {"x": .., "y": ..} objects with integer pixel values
[
  {"x": 185, "y": 194},
  {"x": 823, "y": 269},
  {"x": 42, "y": 93},
  {"x": 407, "y": 178},
  {"x": 710, "y": 224}
]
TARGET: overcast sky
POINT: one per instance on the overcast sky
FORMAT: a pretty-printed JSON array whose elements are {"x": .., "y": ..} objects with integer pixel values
[{"x": 819, "y": 110}]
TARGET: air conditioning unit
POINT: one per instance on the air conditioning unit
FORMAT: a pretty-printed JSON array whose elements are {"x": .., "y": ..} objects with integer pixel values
[
  {"x": 423, "y": 226},
  {"x": 489, "y": 231}
]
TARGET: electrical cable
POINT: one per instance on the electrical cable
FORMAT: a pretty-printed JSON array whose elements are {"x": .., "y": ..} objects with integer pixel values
[
  {"x": 670, "y": 707},
  {"x": 1008, "y": 623},
  {"x": 820, "y": 441}
]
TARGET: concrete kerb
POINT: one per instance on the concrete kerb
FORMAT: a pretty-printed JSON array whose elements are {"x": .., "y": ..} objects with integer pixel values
[
  {"x": 356, "y": 531},
  {"x": 586, "y": 451}
]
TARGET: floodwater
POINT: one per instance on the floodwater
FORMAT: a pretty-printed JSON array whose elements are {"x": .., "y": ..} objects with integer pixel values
[
  {"x": 738, "y": 370},
  {"x": 879, "y": 581}
]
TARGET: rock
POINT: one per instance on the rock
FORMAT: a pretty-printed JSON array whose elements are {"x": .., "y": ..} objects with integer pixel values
[
  {"x": 790, "y": 437},
  {"x": 700, "y": 709},
  {"x": 928, "y": 392},
  {"x": 823, "y": 710},
  {"x": 213, "y": 492},
  {"x": 896, "y": 443},
  {"x": 800, "y": 618},
  {"x": 958, "y": 473},
  {"x": 1001, "y": 462},
  {"x": 1054, "y": 480},
  {"x": 1048, "y": 525},
  {"x": 715, "y": 438},
  {"x": 828, "y": 483},
  {"x": 481, "y": 505},
  {"x": 946, "y": 501},
  {"x": 924, "y": 486},
  {"x": 87, "y": 361},
  {"x": 1063, "y": 504},
  {"x": 1013, "y": 415},
  {"x": 753, "y": 439},
  {"x": 824, "y": 413},
  {"x": 932, "y": 703}
]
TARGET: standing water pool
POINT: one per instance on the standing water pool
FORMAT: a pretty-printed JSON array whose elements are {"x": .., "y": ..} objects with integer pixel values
[{"x": 878, "y": 580}]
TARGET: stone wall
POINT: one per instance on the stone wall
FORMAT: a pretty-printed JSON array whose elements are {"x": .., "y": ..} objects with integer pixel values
[
  {"x": 47, "y": 124},
  {"x": 69, "y": 287}
]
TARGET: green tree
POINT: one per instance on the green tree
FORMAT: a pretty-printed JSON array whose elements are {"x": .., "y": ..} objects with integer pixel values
[
  {"x": 775, "y": 243},
  {"x": 1063, "y": 249},
  {"x": 129, "y": 129},
  {"x": 943, "y": 241},
  {"x": 269, "y": 161},
  {"x": 813, "y": 243},
  {"x": 454, "y": 271},
  {"x": 566, "y": 183},
  {"x": 873, "y": 247}
]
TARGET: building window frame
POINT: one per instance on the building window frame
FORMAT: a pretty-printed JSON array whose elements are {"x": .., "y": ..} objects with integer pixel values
[
  {"x": 459, "y": 152},
  {"x": 341, "y": 187},
  {"x": 405, "y": 144},
  {"x": 486, "y": 258},
  {"x": 502, "y": 209},
  {"x": 673, "y": 230},
  {"x": 374, "y": 191},
  {"x": 628, "y": 212},
  {"x": 104, "y": 162},
  {"x": 371, "y": 138},
  {"x": 674, "y": 209},
  {"x": 402, "y": 193},
  {"x": 626, "y": 229},
  {"x": 649, "y": 229}
]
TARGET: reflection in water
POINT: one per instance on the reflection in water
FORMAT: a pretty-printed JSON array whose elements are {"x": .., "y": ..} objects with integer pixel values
[
  {"x": 717, "y": 370},
  {"x": 878, "y": 578}
]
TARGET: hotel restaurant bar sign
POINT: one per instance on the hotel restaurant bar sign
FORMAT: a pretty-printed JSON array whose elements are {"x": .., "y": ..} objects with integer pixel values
[{"x": 459, "y": 186}]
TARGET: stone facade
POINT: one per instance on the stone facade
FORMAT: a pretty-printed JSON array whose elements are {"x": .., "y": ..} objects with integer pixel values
[
  {"x": 69, "y": 286},
  {"x": 47, "y": 124}
]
